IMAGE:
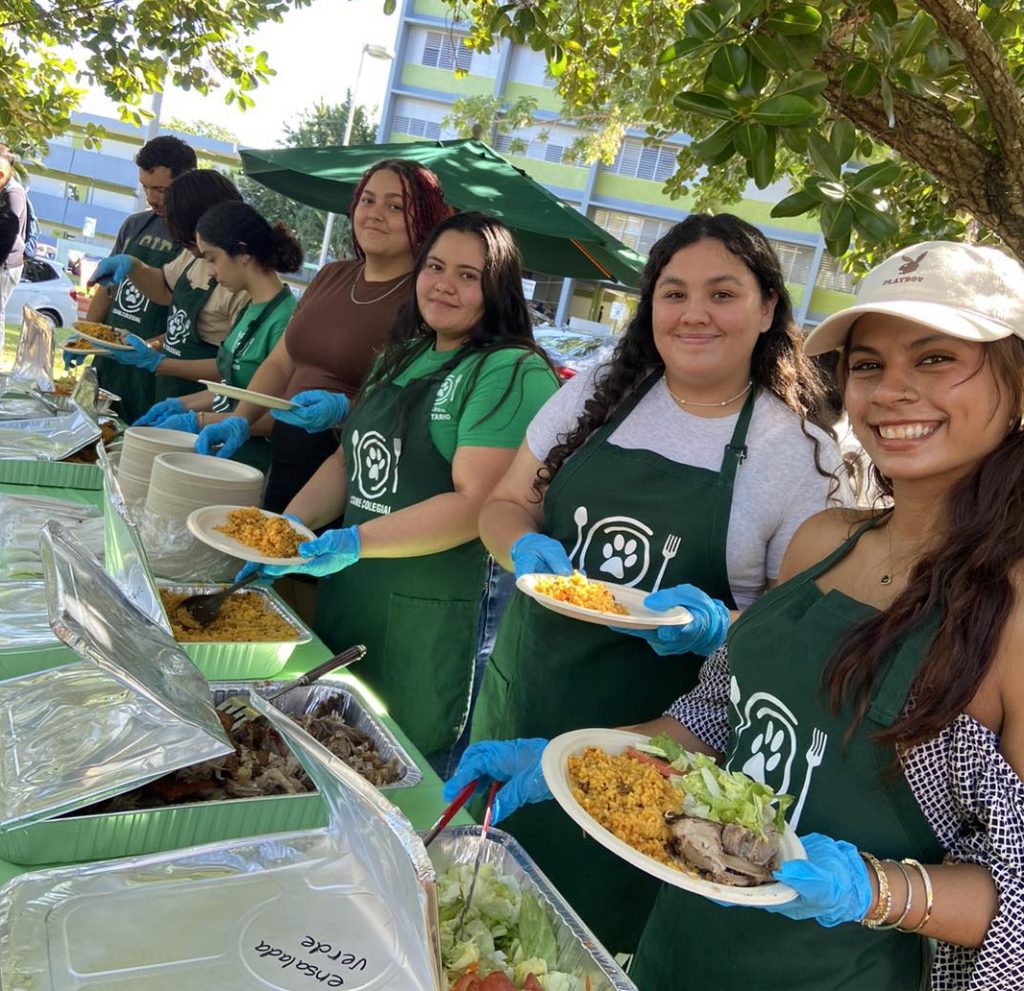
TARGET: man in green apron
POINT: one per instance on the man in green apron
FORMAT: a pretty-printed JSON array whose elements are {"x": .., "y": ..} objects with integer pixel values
[{"x": 144, "y": 236}]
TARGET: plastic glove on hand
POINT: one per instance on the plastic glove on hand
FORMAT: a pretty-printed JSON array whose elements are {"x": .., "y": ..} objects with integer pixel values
[
  {"x": 534, "y": 553},
  {"x": 114, "y": 269},
  {"x": 703, "y": 636},
  {"x": 330, "y": 552},
  {"x": 223, "y": 439},
  {"x": 832, "y": 884},
  {"x": 72, "y": 359},
  {"x": 158, "y": 412},
  {"x": 187, "y": 421},
  {"x": 516, "y": 762},
  {"x": 315, "y": 410},
  {"x": 140, "y": 356}
]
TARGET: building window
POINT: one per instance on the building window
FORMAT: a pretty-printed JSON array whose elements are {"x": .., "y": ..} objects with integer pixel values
[
  {"x": 640, "y": 161},
  {"x": 795, "y": 260},
  {"x": 831, "y": 276},
  {"x": 640, "y": 233},
  {"x": 415, "y": 126},
  {"x": 446, "y": 51},
  {"x": 543, "y": 151}
]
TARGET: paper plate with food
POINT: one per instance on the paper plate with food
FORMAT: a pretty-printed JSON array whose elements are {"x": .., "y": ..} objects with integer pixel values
[
  {"x": 81, "y": 346},
  {"x": 249, "y": 533},
  {"x": 102, "y": 334},
  {"x": 598, "y": 602},
  {"x": 673, "y": 814}
]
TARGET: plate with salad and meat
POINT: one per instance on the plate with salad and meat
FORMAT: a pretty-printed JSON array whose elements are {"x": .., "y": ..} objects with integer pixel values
[{"x": 674, "y": 814}]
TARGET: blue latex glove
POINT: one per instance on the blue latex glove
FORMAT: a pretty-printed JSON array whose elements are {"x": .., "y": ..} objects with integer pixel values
[
  {"x": 315, "y": 410},
  {"x": 114, "y": 269},
  {"x": 533, "y": 553},
  {"x": 250, "y": 566},
  {"x": 187, "y": 421},
  {"x": 140, "y": 356},
  {"x": 332, "y": 551},
  {"x": 516, "y": 762},
  {"x": 223, "y": 438},
  {"x": 72, "y": 359},
  {"x": 832, "y": 883},
  {"x": 158, "y": 412},
  {"x": 703, "y": 636}
]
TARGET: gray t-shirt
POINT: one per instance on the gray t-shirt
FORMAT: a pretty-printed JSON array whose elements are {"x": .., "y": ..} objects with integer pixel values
[
  {"x": 777, "y": 485},
  {"x": 157, "y": 235}
]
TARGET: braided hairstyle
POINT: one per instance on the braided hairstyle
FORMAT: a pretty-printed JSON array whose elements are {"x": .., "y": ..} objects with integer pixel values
[
  {"x": 777, "y": 364},
  {"x": 423, "y": 200}
]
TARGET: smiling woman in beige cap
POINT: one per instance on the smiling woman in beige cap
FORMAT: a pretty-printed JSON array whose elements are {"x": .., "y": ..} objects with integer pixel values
[{"x": 882, "y": 683}]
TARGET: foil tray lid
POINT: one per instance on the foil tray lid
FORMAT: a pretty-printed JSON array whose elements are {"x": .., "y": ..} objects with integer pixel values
[
  {"x": 30, "y": 433},
  {"x": 137, "y": 710}
]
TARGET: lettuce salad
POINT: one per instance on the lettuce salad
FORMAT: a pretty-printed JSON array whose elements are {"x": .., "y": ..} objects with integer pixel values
[
  {"x": 506, "y": 929},
  {"x": 711, "y": 792}
]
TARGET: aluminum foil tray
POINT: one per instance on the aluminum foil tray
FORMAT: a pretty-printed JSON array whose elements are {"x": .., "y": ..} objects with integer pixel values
[
  {"x": 579, "y": 952},
  {"x": 74, "y": 839},
  {"x": 243, "y": 660},
  {"x": 27, "y": 644},
  {"x": 48, "y": 438},
  {"x": 53, "y": 474}
]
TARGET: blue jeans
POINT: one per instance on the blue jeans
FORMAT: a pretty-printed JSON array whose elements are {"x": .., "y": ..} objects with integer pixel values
[{"x": 499, "y": 585}]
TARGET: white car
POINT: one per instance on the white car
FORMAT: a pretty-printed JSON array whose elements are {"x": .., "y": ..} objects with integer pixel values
[{"x": 46, "y": 287}]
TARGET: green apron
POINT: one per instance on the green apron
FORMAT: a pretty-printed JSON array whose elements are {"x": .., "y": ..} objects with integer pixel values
[
  {"x": 134, "y": 312},
  {"x": 183, "y": 340},
  {"x": 620, "y": 513},
  {"x": 416, "y": 615},
  {"x": 256, "y": 450},
  {"x": 783, "y": 733}
]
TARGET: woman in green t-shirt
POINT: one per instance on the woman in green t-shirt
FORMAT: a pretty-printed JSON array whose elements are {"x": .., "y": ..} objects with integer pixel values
[
  {"x": 244, "y": 252},
  {"x": 434, "y": 428}
]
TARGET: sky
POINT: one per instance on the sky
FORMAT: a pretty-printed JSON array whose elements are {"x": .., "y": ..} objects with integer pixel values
[{"x": 315, "y": 51}]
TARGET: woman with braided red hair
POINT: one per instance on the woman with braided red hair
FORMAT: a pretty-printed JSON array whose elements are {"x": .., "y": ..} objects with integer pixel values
[{"x": 341, "y": 322}]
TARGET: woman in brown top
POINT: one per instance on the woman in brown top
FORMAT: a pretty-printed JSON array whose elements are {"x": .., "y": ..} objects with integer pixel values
[{"x": 340, "y": 324}]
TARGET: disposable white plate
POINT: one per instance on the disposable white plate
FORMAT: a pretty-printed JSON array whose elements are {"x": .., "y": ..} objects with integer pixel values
[
  {"x": 201, "y": 523},
  {"x": 555, "y": 765},
  {"x": 639, "y": 616},
  {"x": 102, "y": 343},
  {"x": 247, "y": 395},
  {"x": 89, "y": 350}
]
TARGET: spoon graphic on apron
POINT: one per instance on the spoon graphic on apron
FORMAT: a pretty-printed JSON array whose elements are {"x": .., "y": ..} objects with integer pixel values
[{"x": 580, "y": 519}]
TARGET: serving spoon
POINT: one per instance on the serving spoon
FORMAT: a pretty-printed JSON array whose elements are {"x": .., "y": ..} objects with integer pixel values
[{"x": 205, "y": 607}]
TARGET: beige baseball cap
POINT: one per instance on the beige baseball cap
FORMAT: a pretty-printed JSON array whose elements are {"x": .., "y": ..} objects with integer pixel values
[{"x": 965, "y": 290}]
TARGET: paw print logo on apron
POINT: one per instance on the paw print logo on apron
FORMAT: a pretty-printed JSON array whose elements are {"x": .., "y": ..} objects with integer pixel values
[
  {"x": 615, "y": 548},
  {"x": 376, "y": 464},
  {"x": 129, "y": 299},
  {"x": 177, "y": 327}
]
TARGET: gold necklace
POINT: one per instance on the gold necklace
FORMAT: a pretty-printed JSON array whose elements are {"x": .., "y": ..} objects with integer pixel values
[
  {"x": 724, "y": 402},
  {"x": 376, "y": 299}
]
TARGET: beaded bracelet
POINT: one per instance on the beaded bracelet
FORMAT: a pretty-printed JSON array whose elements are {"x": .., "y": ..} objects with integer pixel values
[
  {"x": 909, "y": 902},
  {"x": 929, "y": 895},
  {"x": 884, "y": 904}
]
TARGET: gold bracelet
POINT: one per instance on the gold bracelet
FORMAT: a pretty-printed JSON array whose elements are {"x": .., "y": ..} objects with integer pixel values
[
  {"x": 910, "y": 897},
  {"x": 929, "y": 895},
  {"x": 884, "y": 905},
  {"x": 199, "y": 419}
]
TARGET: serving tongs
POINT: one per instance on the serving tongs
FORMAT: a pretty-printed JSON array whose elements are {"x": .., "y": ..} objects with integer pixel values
[
  {"x": 481, "y": 849},
  {"x": 238, "y": 709},
  {"x": 449, "y": 813}
]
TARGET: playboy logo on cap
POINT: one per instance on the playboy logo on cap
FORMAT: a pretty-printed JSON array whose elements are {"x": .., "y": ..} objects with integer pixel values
[{"x": 912, "y": 264}]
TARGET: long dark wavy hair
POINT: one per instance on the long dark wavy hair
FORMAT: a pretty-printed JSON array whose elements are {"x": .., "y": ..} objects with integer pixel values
[
  {"x": 423, "y": 199},
  {"x": 778, "y": 363},
  {"x": 505, "y": 322},
  {"x": 966, "y": 582},
  {"x": 189, "y": 196}
]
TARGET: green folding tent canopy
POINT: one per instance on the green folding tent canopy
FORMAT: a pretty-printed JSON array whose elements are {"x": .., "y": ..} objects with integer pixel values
[{"x": 554, "y": 238}]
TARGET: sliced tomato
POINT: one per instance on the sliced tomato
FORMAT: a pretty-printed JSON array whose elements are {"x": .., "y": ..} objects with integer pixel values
[
  {"x": 665, "y": 769},
  {"x": 532, "y": 984},
  {"x": 468, "y": 982},
  {"x": 496, "y": 982}
]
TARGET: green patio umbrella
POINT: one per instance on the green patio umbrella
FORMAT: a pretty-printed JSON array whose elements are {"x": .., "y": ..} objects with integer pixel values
[{"x": 553, "y": 237}]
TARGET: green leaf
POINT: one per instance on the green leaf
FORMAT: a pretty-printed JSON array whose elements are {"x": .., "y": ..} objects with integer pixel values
[
  {"x": 874, "y": 176},
  {"x": 680, "y": 49},
  {"x": 558, "y": 61},
  {"x": 938, "y": 58},
  {"x": 832, "y": 191},
  {"x": 693, "y": 102},
  {"x": 390, "y": 6},
  {"x": 757, "y": 78},
  {"x": 878, "y": 31},
  {"x": 729, "y": 64},
  {"x": 699, "y": 23},
  {"x": 769, "y": 52},
  {"x": 750, "y": 139},
  {"x": 718, "y": 146},
  {"x": 918, "y": 36},
  {"x": 783, "y": 111},
  {"x": 795, "y": 205},
  {"x": 762, "y": 167},
  {"x": 886, "y": 10},
  {"x": 890, "y": 112},
  {"x": 824, "y": 157},
  {"x": 793, "y": 19},
  {"x": 871, "y": 222},
  {"x": 861, "y": 79},
  {"x": 795, "y": 139},
  {"x": 843, "y": 139},
  {"x": 807, "y": 83},
  {"x": 837, "y": 224}
]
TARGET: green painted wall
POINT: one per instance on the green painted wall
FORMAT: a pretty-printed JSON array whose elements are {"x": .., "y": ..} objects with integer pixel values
[
  {"x": 432, "y": 8},
  {"x": 826, "y": 301},
  {"x": 444, "y": 81},
  {"x": 620, "y": 187},
  {"x": 551, "y": 173},
  {"x": 546, "y": 99},
  {"x": 397, "y": 138},
  {"x": 758, "y": 213}
]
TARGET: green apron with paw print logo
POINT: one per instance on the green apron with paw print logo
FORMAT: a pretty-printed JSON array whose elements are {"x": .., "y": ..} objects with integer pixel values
[
  {"x": 784, "y": 733},
  {"x": 417, "y": 616},
  {"x": 134, "y": 312},
  {"x": 639, "y": 519},
  {"x": 183, "y": 340}
]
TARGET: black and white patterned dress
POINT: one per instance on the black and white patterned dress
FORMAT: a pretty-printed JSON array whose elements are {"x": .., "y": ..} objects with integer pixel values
[{"x": 973, "y": 801}]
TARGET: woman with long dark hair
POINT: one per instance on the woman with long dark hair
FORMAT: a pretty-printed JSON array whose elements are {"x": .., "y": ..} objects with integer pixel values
[
  {"x": 340, "y": 324},
  {"x": 435, "y": 426},
  {"x": 201, "y": 311},
  {"x": 244, "y": 253},
  {"x": 682, "y": 468}
]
